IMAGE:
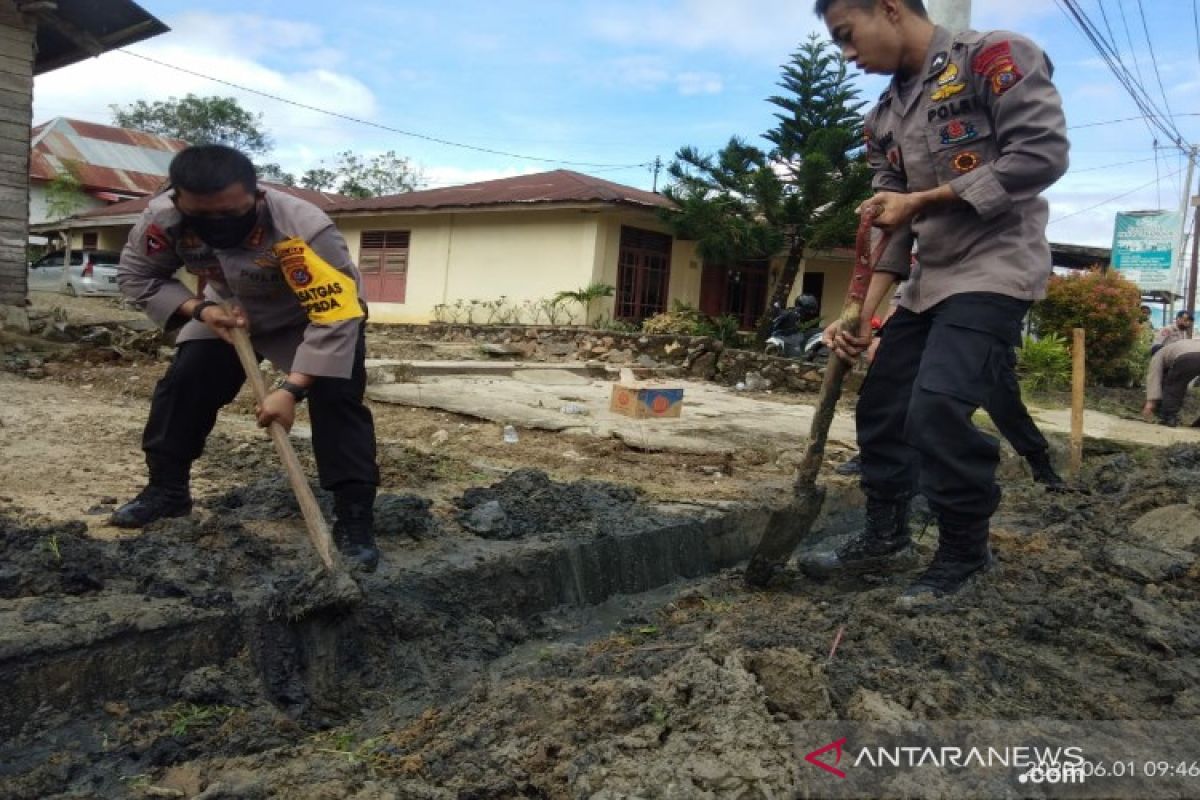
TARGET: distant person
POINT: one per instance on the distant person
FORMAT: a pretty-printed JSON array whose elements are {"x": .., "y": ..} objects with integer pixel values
[
  {"x": 1146, "y": 315},
  {"x": 1171, "y": 370},
  {"x": 287, "y": 275},
  {"x": 1179, "y": 330}
]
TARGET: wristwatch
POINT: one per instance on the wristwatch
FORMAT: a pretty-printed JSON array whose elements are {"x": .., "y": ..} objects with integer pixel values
[
  {"x": 298, "y": 392},
  {"x": 198, "y": 311}
]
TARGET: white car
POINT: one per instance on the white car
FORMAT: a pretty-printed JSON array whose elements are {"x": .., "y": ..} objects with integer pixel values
[{"x": 93, "y": 273}]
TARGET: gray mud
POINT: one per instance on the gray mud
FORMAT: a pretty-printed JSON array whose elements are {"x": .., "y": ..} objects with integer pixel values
[{"x": 430, "y": 688}]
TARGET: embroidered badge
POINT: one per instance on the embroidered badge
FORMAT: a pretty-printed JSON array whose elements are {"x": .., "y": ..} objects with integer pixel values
[
  {"x": 256, "y": 236},
  {"x": 997, "y": 65},
  {"x": 156, "y": 240},
  {"x": 939, "y": 62},
  {"x": 894, "y": 158},
  {"x": 300, "y": 276},
  {"x": 948, "y": 84},
  {"x": 965, "y": 162},
  {"x": 958, "y": 132}
]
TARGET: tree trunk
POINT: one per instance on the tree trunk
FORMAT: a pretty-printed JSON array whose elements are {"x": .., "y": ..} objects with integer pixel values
[{"x": 781, "y": 288}]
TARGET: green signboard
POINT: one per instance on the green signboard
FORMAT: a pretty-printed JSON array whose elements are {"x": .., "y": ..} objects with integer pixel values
[{"x": 1144, "y": 249}]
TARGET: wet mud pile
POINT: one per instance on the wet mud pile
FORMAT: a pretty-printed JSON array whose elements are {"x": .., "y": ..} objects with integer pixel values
[{"x": 431, "y": 690}]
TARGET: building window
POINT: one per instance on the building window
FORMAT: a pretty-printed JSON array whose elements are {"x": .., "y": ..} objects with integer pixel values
[
  {"x": 383, "y": 261},
  {"x": 643, "y": 274},
  {"x": 91, "y": 241}
]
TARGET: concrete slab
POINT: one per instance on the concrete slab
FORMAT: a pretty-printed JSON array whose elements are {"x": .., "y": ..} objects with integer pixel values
[
  {"x": 408, "y": 368},
  {"x": 715, "y": 419}
]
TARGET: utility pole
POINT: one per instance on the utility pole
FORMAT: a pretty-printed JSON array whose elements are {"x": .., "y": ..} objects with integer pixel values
[
  {"x": 953, "y": 15},
  {"x": 1192, "y": 275},
  {"x": 657, "y": 167},
  {"x": 1181, "y": 239}
]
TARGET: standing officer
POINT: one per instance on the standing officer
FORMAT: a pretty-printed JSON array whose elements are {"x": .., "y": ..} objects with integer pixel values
[
  {"x": 285, "y": 270},
  {"x": 1180, "y": 330},
  {"x": 963, "y": 142}
]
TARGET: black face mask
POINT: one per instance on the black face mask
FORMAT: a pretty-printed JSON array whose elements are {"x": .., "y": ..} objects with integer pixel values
[{"x": 222, "y": 232}]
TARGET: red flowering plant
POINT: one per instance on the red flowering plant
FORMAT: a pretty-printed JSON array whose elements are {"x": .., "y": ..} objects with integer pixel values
[{"x": 1107, "y": 306}]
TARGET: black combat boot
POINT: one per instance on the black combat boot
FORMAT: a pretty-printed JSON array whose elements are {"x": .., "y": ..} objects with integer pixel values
[
  {"x": 354, "y": 527},
  {"x": 883, "y": 545},
  {"x": 166, "y": 495},
  {"x": 1043, "y": 470},
  {"x": 962, "y": 553}
]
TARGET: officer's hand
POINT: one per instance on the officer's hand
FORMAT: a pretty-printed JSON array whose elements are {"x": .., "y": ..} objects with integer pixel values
[
  {"x": 278, "y": 406},
  {"x": 219, "y": 320},
  {"x": 847, "y": 345},
  {"x": 1148, "y": 410},
  {"x": 890, "y": 210}
]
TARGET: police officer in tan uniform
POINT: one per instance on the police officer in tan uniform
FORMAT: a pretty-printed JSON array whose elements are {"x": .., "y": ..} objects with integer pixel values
[
  {"x": 963, "y": 142},
  {"x": 305, "y": 316}
]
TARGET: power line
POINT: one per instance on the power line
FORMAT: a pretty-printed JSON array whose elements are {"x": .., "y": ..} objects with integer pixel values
[
  {"x": 1125, "y": 119},
  {"x": 1154, "y": 59},
  {"x": 1196, "y": 23},
  {"x": 1109, "y": 200},
  {"x": 1114, "y": 166},
  {"x": 1112, "y": 58},
  {"x": 388, "y": 128}
]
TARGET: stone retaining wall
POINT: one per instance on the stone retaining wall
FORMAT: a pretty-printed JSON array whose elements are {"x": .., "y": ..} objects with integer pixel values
[{"x": 699, "y": 357}]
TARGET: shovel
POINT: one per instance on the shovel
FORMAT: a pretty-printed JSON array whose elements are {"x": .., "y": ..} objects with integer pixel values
[
  {"x": 788, "y": 525},
  {"x": 318, "y": 530}
]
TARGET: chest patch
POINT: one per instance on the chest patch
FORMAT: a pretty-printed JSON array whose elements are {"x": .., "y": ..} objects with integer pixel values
[
  {"x": 954, "y": 108},
  {"x": 948, "y": 84},
  {"x": 958, "y": 132}
]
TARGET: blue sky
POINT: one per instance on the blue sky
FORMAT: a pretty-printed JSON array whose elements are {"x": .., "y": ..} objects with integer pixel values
[{"x": 606, "y": 84}]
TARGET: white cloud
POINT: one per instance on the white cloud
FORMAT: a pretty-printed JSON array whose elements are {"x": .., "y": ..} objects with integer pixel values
[
  {"x": 692, "y": 83},
  {"x": 239, "y": 49},
  {"x": 753, "y": 27}
]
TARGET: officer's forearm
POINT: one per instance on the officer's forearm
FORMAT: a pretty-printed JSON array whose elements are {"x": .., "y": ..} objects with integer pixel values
[{"x": 940, "y": 197}]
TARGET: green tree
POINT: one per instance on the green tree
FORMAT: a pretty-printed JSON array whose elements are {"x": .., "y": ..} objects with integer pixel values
[
  {"x": 64, "y": 194},
  {"x": 274, "y": 173},
  {"x": 358, "y": 176},
  {"x": 197, "y": 120},
  {"x": 319, "y": 180},
  {"x": 746, "y": 203}
]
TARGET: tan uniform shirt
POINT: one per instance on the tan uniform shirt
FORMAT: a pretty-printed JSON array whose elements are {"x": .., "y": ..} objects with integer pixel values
[
  {"x": 1169, "y": 334},
  {"x": 1162, "y": 362},
  {"x": 987, "y": 120},
  {"x": 250, "y": 275}
]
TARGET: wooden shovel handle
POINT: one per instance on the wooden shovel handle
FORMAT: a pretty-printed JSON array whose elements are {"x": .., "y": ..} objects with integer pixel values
[{"x": 314, "y": 520}]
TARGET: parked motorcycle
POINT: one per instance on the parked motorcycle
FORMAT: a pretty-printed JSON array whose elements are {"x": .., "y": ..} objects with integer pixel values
[{"x": 796, "y": 332}]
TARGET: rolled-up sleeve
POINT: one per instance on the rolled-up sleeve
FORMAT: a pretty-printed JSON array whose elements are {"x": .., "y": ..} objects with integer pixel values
[
  {"x": 327, "y": 350},
  {"x": 1014, "y": 77},
  {"x": 885, "y": 177},
  {"x": 146, "y": 273}
]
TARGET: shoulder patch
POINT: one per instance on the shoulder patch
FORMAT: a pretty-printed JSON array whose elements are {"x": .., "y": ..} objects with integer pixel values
[
  {"x": 157, "y": 240},
  {"x": 997, "y": 65}
]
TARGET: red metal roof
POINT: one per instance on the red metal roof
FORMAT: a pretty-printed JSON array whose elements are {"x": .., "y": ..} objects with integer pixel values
[
  {"x": 321, "y": 200},
  {"x": 558, "y": 186},
  {"x": 103, "y": 158}
]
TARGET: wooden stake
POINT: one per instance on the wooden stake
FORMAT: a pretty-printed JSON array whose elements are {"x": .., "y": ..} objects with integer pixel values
[{"x": 1078, "y": 375}]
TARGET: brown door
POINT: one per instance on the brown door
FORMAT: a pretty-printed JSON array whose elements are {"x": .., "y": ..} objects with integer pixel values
[
  {"x": 739, "y": 291},
  {"x": 383, "y": 261},
  {"x": 713, "y": 281},
  {"x": 643, "y": 274}
]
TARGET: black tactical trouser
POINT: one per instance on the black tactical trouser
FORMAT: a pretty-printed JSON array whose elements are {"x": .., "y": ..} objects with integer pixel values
[
  {"x": 1175, "y": 383},
  {"x": 1011, "y": 417},
  {"x": 207, "y": 375},
  {"x": 930, "y": 374}
]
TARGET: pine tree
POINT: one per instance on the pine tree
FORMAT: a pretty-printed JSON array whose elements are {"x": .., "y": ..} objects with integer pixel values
[{"x": 745, "y": 203}]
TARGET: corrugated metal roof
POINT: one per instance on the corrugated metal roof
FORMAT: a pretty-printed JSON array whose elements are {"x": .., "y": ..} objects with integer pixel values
[
  {"x": 321, "y": 200},
  {"x": 558, "y": 186},
  {"x": 102, "y": 157},
  {"x": 72, "y": 30}
]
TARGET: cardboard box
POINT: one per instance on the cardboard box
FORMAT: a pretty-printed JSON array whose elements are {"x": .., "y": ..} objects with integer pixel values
[{"x": 643, "y": 402}]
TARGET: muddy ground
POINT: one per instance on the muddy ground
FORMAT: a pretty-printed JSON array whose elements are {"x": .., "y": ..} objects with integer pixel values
[{"x": 697, "y": 690}]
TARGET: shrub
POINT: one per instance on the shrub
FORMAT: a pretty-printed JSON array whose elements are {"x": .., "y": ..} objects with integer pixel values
[
  {"x": 1104, "y": 304},
  {"x": 681, "y": 320},
  {"x": 1044, "y": 364}
]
